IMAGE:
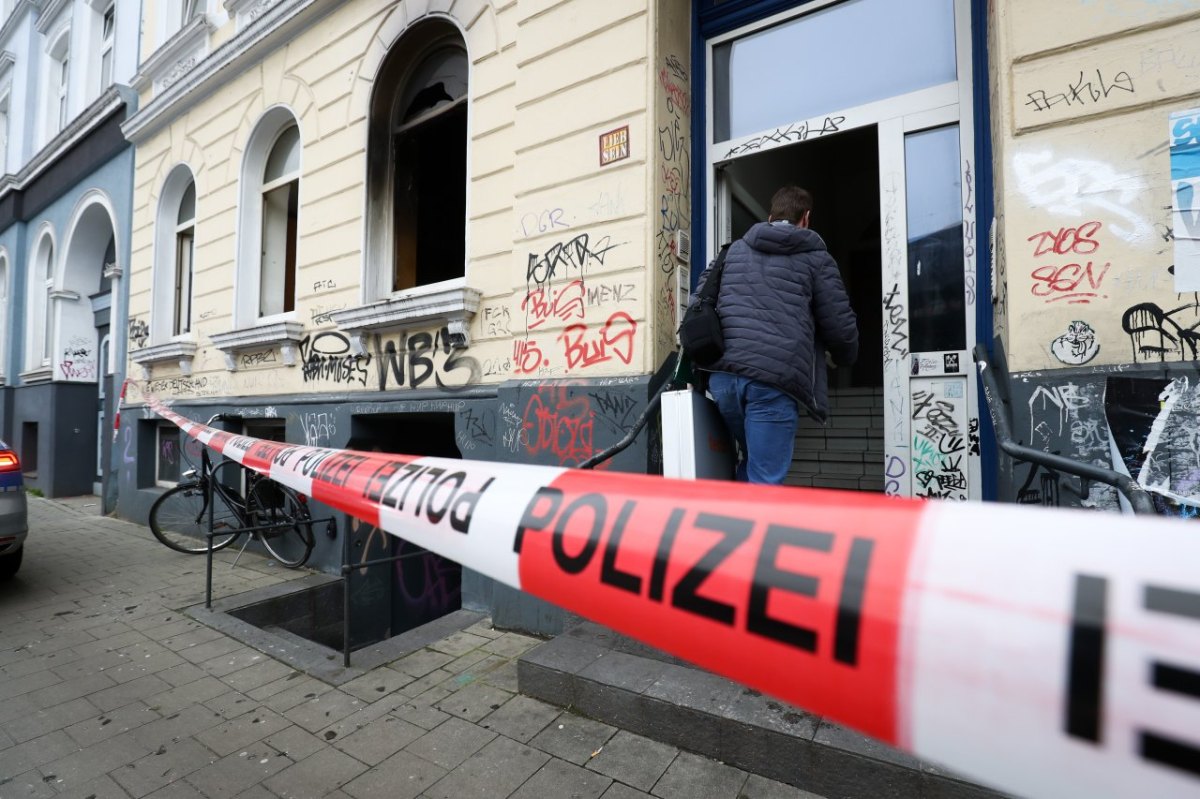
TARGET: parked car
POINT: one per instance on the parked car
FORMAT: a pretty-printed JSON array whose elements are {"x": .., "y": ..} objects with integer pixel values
[{"x": 14, "y": 514}]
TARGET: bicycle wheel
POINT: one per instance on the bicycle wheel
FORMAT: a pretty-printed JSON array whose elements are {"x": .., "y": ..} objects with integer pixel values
[
  {"x": 290, "y": 541},
  {"x": 179, "y": 519}
]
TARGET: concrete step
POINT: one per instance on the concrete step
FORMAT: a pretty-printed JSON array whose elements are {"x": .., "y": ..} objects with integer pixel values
[{"x": 619, "y": 681}]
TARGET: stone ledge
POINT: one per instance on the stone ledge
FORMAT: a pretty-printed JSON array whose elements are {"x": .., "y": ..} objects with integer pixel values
[{"x": 616, "y": 680}]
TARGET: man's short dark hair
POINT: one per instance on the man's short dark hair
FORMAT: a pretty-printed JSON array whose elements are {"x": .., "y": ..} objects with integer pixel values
[{"x": 791, "y": 203}]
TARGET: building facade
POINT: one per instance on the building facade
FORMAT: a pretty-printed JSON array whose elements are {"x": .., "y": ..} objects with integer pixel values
[
  {"x": 65, "y": 198},
  {"x": 466, "y": 228}
]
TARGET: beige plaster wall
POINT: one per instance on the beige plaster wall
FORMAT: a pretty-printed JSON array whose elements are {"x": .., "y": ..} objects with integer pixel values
[
  {"x": 561, "y": 249},
  {"x": 1082, "y": 93}
]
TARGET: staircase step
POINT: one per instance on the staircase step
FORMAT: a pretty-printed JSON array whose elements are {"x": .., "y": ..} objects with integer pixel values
[{"x": 619, "y": 681}]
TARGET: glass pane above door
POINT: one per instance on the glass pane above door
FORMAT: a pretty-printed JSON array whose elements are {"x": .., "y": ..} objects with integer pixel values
[{"x": 849, "y": 54}]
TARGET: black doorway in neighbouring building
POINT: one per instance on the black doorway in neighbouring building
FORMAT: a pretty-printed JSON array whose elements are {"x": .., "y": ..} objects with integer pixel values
[
  {"x": 841, "y": 172},
  {"x": 390, "y": 598}
]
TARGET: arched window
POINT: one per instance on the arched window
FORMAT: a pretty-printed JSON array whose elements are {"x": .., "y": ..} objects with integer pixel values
[
  {"x": 418, "y": 129},
  {"x": 4, "y": 127},
  {"x": 268, "y": 220},
  {"x": 185, "y": 242},
  {"x": 174, "y": 252},
  {"x": 108, "y": 29},
  {"x": 41, "y": 308},
  {"x": 57, "y": 84},
  {"x": 280, "y": 208}
]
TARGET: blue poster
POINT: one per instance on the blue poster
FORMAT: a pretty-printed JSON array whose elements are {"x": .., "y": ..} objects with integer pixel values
[{"x": 1185, "y": 197}]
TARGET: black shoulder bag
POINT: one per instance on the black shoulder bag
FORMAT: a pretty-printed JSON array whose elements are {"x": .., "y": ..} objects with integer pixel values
[{"x": 700, "y": 333}]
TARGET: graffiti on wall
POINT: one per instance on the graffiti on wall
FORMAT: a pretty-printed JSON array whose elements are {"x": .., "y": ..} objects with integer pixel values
[
  {"x": 261, "y": 358},
  {"x": 674, "y": 163},
  {"x": 568, "y": 259},
  {"x": 319, "y": 428},
  {"x": 78, "y": 361},
  {"x": 401, "y": 360},
  {"x": 1067, "y": 419},
  {"x": 580, "y": 344},
  {"x": 1090, "y": 89},
  {"x": 413, "y": 360},
  {"x": 139, "y": 332},
  {"x": 939, "y": 443},
  {"x": 327, "y": 357},
  {"x": 565, "y": 424},
  {"x": 1077, "y": 346},
  {"x": 477, "y": 429},
  {"x": 561, "y": 426},
  {"x": 795, "y": 132},
  {"x": 1082, "y": 188},
  {"x": 1156, "y": 335},
  {"x": 1072, "y": 280}
]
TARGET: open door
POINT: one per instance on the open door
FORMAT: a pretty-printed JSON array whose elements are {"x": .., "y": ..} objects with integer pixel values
[{"x": 893, "y": 187}]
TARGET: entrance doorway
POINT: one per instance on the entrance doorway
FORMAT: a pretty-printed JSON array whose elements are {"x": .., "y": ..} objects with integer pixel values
[
  {"x": 877, "y": 126},
  {"x": 847, "y": 452}
]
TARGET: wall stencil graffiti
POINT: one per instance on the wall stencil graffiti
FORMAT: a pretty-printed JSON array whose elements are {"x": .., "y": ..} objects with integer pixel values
[{"x": 1077, "y": 346}]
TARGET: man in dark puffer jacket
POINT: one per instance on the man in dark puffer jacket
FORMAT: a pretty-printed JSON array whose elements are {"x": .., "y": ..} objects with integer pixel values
[{"x": 782, "y": 304}]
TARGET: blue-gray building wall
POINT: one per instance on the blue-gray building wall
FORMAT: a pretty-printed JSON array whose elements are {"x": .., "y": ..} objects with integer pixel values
[{"x": 66, "y": 413}]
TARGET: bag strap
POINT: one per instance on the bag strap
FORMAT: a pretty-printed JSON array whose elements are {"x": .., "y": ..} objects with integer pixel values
[{"x": 712, "y": 286}]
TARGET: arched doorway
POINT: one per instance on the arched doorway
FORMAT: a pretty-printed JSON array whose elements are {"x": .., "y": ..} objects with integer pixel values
[{"x": 86, "y": 316}]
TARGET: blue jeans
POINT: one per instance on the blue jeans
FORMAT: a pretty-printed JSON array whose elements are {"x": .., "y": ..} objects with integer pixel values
[{"x": 762, "y": 419}]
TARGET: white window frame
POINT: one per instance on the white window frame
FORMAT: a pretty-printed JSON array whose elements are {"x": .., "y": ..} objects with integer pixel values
[
  {"x": 5, "y": 104},
  {"x": 108, "y": 39},
  {"x": 40, "y": 305},
  {"x": 285, "y": 180},
  {"x": 181, "y": 298},
  {"x": 166, "y": 229},
  {"x": 187, "y": 10},
  {"x": 58, "y": 84},
  {"x": 248, "y": 274}
]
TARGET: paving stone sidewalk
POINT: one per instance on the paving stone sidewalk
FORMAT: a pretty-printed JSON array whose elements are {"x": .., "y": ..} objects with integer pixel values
[{"x": 107, "y": 690}]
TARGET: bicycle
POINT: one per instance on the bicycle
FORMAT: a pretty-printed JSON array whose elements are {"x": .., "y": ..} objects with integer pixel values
[{"x": 271, "y": 513}]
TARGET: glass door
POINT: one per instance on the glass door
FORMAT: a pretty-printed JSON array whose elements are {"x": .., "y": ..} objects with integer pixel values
[{"x": 872, "y": 116}]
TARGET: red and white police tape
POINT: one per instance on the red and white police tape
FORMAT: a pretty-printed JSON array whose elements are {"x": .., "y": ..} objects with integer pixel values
[{"x": 1048, "y": 653}]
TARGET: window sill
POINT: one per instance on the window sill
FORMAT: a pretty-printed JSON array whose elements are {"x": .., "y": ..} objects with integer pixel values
[
  {"x": 182, "y": 351},
  {"x": 36, "y": 376},
  {"x": 452, "y": 303},
  {"x": 285, "y": 335}
]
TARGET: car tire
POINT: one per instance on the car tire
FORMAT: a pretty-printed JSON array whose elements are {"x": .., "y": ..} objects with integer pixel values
[{"x": 10, "y": 563}]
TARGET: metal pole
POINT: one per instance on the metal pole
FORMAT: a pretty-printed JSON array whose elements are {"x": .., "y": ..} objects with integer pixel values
[
  {"x": 346, "y": 571},
  {"x": 208, "y": 556}
]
